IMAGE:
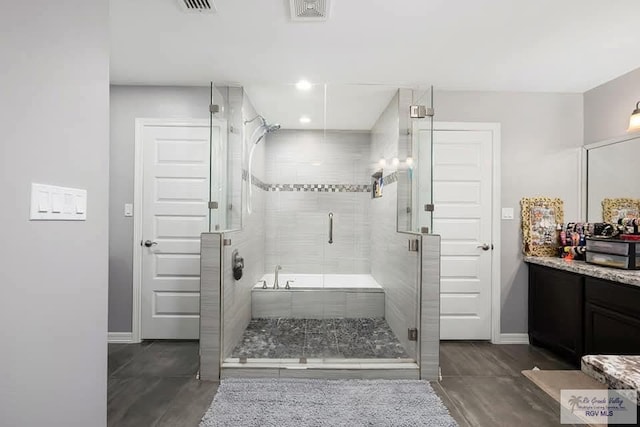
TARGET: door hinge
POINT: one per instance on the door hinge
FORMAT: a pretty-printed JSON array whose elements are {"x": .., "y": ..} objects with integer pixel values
[
  {"x": 413, "y": 334},
  {"x": 424, "y": 230},
  {"x": 414, "y": 245},
  {"x": 420, "y": 111},
  {"x": 429, "y": 207},
  {"x": 226, "y": 242},
  {"x": 213, "y": 205}
]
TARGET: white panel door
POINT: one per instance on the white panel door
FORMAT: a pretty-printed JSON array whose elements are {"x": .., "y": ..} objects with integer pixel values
[
  {"x": 462, "y": 169},
  {"x": 175, "y": 194},
  {"x": 462, "y": 196}
]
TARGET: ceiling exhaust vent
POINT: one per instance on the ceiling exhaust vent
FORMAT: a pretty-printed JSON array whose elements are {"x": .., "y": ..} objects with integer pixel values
[
  {"x": 309, "y": 10},
  {"x": 197, "y": 6}
]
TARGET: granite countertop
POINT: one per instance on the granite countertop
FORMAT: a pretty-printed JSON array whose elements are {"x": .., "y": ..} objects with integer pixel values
[
  {"x": 629, "y": 277},
  {"x": 617, "y": 372}
]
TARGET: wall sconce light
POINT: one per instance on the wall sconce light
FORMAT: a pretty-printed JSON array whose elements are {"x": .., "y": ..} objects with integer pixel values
[{"x": 634, "y": 120}]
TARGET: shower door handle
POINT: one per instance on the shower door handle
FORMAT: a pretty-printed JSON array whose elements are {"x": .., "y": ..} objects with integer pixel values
[{"x": 330, "y": 227}]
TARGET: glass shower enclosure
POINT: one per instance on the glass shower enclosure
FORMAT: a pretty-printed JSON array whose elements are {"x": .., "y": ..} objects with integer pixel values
[{"x": 316, "y": 242}]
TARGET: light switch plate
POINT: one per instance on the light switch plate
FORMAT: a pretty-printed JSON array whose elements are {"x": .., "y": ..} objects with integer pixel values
[
  {"x": 128, "y": 209},
  {"x": 507, "y": 213},
  {"x": 52, "y": 203}
]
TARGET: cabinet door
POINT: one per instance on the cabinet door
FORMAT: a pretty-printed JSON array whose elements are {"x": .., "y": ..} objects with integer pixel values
[
  {"x": 556, "y": 311},
  {"x": 612, "y": 318},
  {"x": 610, "y": 332}
]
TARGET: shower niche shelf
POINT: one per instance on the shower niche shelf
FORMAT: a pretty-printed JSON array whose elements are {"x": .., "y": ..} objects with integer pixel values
[{"x": 376, "y": 185}]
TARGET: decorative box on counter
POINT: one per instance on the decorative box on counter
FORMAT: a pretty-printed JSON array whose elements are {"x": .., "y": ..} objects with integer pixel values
[{"x": 613, "y": 253}]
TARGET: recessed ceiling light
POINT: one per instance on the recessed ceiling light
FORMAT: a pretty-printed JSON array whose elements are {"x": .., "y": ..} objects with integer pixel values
[
  {"x": 303, "y": 85},
  {"x": 305, "y": 119}
]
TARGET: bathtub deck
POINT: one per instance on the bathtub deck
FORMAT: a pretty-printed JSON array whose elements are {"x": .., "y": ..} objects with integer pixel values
[{"x": 364, "y": 338}]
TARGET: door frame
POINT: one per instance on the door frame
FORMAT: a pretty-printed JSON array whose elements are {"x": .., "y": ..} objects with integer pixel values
[
  {"x": 496, "y": 224},
  {"x": 138, "y": 214}
]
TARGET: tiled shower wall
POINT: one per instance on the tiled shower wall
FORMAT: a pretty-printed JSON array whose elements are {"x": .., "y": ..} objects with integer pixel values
[
  {"x": 392, "y": 265},
  {"x": 335, "y": 165},
  {"x": 249, "y": 241}
]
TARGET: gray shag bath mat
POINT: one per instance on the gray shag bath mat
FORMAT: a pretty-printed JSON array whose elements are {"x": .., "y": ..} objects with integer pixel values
[{"x": 300, "y": 403}]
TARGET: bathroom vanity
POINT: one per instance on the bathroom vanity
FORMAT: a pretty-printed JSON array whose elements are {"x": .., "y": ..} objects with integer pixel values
[{"x": 576, "y": 308}]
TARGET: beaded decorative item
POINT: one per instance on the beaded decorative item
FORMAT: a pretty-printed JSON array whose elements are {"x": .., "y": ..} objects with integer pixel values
[
  {"x": 540, "y": 219},
  {"x": 620, "y": 208}
]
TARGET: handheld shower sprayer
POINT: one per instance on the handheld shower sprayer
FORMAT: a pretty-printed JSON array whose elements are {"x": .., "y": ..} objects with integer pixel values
[{"x": 265, "y": 128}]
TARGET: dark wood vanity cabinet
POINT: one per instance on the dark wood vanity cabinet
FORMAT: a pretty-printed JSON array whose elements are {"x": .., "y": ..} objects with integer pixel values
[
  {"x": 611, "y": 318},
  {"x": 556, "y": 311},
  {"x": 573, "y": 314}
]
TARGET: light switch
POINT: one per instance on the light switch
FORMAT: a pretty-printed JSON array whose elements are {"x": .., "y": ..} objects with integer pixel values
[
  {"x": 43, "y": 201},
  {"x": 57, "y": 202},
  {"x": 507, "y": 213},
  {"x": 80, "y": 204},
  {"x": 69, "y": 200},
  {"x": 128, "y": 209}
]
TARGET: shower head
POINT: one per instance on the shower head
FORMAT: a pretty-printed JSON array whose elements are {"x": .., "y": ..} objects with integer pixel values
[{"x": 266, "y": 128}]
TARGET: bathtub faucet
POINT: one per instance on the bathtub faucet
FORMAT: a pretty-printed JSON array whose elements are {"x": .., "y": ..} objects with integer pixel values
[{"x": 275, "y": 282}]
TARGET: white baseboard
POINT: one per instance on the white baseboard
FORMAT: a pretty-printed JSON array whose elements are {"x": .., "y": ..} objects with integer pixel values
[
  {"x": 120, "y": 337},
  {"x": 514, "y": 339}
]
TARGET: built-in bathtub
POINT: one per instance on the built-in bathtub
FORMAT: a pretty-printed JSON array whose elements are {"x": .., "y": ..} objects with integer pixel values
[{"x": 318, "y": 296}]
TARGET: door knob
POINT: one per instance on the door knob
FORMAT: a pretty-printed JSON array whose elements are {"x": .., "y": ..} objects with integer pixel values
[
  {"x": 485, "y": 247},
  {"x": 149, "y": 243}
]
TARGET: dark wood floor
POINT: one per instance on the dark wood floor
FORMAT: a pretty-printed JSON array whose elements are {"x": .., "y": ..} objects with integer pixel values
[
  {"x": 153, "y": 384},
  {"x": 482, "y": 385}
]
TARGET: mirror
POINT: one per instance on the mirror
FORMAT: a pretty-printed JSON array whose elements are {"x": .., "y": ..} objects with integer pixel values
[{"x": 612, "y": 173}]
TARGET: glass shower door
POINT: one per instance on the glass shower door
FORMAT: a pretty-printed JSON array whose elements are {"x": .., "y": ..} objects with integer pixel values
[
  {"x": 226, "y": 167},
  {"x": 421, "y": 150},
  {"x": 368, "y": 298}
]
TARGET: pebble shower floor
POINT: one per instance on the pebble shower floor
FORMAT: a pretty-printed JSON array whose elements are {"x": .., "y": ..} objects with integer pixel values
[{"x": 319, "y": 338}]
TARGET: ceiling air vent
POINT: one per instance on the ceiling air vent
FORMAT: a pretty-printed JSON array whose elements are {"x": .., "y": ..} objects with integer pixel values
[
  {"x": 197, "y": 6},
  {"x": 309, "y": 10}
]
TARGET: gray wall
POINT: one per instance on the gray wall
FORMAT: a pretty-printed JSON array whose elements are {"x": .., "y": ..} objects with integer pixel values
[
  {"x": 55, "y": 124},
  {"x": 127, "y": 104},
  {"x": 541, "y": 137},
  {"x": 607, "y": 107}
]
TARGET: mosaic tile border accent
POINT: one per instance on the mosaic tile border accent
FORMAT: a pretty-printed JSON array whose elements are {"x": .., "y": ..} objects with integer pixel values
[
  {"x": 322, "y": 188},
  {"x": 326, "y": 188},
  {"x": 391, "y": 178}
]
